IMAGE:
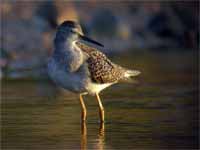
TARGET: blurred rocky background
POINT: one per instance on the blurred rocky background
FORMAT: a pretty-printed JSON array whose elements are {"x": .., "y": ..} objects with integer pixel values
[{"x": 28, "y": 29}]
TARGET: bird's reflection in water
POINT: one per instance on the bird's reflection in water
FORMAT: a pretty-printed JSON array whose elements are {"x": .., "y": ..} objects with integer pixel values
[
  {"x": 83, "y": 136},
  {"x": 100, "y": 140}
]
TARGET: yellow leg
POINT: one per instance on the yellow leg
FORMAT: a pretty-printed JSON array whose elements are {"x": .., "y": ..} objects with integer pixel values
[
  {"x": 101, "y": 109},
  {"x": 84, "y": 111}
]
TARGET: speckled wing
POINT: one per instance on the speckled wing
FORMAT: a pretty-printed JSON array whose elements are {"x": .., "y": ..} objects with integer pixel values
[{"x": 101, "y": 69}]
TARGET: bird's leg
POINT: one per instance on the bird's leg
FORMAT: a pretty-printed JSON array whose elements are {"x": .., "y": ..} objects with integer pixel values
[
  {"x": 101, "y": 109},
  {"x": 84, "y": 111}
]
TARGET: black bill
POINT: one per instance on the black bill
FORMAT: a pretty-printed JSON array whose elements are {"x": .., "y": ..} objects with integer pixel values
[{"x": 90, "y": 40}]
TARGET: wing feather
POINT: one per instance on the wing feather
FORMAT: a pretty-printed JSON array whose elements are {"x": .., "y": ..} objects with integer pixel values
[{"x": 101, "y": 69}]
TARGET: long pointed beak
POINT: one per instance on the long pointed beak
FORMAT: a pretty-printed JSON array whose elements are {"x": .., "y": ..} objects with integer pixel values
[{"x": 90, "y": 40}]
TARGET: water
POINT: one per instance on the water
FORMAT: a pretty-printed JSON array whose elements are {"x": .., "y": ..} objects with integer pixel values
[{"x": 161, "y": 111}]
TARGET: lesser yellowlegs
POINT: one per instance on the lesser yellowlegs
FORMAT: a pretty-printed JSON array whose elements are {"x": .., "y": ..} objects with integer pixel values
[{"x": 77, "y": 64}]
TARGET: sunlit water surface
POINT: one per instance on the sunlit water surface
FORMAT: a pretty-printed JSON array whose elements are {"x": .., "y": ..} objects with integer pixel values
[{"x": 160, "y": 111}]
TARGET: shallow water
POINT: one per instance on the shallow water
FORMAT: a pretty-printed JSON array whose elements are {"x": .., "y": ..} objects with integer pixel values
[{"x": 160, "y": 111}]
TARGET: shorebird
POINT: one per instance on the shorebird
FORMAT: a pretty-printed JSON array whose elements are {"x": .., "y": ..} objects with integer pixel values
[{"x": 78, "y": 65}]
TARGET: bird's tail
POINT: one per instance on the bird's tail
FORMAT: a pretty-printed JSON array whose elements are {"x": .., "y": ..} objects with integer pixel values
[
  {"x": 131, "y": 73},
  {"x": 128, "y": 76}
]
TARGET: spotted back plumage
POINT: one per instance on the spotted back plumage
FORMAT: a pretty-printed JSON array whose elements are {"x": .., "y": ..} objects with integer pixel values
[{"x": 101, "y": 69}]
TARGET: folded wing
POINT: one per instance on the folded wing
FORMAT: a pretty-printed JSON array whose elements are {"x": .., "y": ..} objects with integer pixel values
[{"x": 101, "y": 69}]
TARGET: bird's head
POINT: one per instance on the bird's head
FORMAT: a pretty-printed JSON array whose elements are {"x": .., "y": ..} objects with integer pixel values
[
  {"x": 70, "y": 31},
  {"x": 71, "y": 27},
  {"x": 67, "y": 32}
]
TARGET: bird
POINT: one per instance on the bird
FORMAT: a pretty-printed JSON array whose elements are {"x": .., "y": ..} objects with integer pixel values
[{"x": 78, "y": 64}]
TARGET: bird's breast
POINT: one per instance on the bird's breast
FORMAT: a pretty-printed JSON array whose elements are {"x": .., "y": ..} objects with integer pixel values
[{"x": 71, "y": 81}]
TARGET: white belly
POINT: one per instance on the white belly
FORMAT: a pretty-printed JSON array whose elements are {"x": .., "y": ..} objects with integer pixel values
[{"x": 96, "y": 88}]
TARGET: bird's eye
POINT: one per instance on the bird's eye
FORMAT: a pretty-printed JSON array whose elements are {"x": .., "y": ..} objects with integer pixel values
[{"x": 72, "y": 31}]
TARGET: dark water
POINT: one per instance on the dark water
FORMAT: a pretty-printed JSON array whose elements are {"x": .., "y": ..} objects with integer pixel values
[{"x": 161, "y": 111}]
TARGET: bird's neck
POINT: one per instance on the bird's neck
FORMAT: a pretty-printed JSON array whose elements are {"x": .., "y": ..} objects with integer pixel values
[
  {"x": 62, "y": 53},
  {"x": 63, "y": 47}
]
